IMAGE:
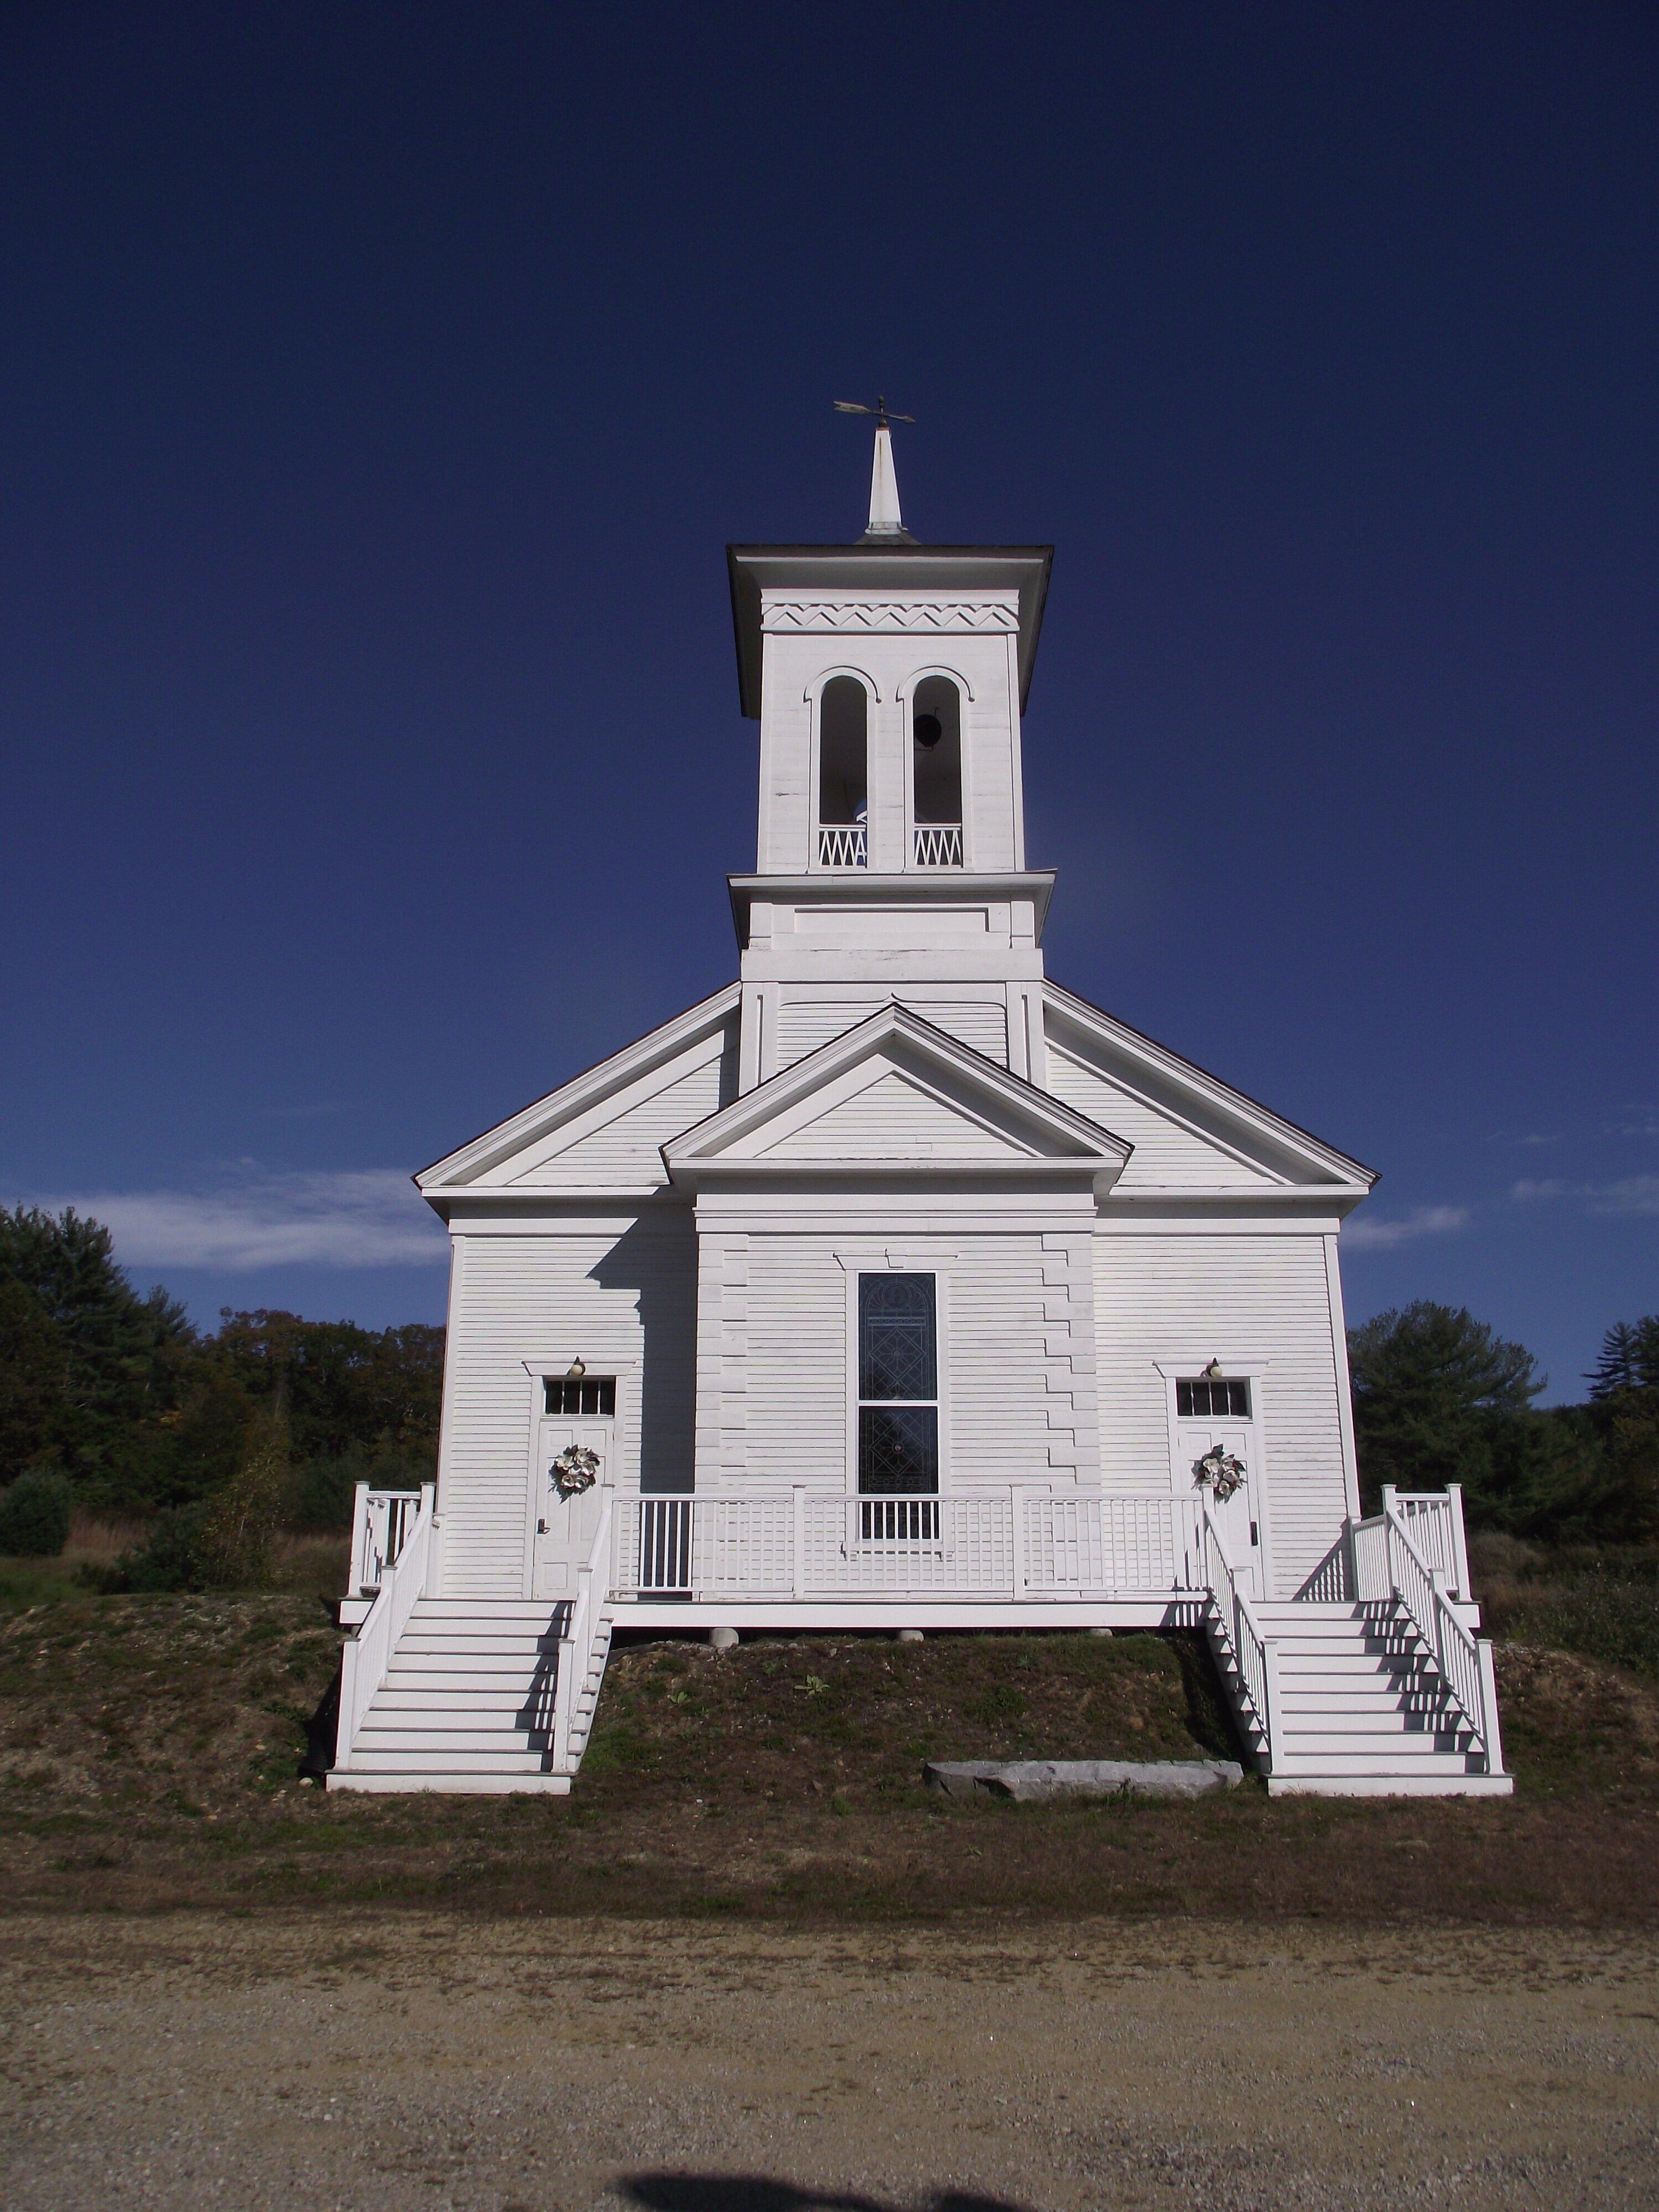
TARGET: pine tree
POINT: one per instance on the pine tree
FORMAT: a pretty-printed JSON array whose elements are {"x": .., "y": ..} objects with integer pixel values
[
  {"x": 118, "y": 1348},
  {"x": 1629, "y": 1359}
]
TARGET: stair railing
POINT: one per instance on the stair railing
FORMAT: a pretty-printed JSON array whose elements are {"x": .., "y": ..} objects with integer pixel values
[
  {"x": 1390, "y": 1569},
  {"x": 380, "y": 1523},
  {"x": 1253, "y": 1652},
  {"x": 1434, "y": 1521},
  {"x": 581, "y": 1623},
  {"x": 367, "y": 1656}
]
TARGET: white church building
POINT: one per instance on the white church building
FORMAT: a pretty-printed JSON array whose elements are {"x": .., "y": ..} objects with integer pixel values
[{"x": 894, "y": 1287}]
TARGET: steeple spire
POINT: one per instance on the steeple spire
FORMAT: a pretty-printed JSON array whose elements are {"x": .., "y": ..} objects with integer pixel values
[
  {"x": 885, "y": 520},
  {"x": 886, "y": 523}
]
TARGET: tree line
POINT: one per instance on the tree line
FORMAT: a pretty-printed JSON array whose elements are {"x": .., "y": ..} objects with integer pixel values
[
  {"x": 271, "y": 1419},
  {"x": 137, "y": 1412},
  {"x": 1439, "y": 1397}
]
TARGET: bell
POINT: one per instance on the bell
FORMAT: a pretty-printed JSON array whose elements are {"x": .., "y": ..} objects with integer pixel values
[{"x": 929, "y": 731}]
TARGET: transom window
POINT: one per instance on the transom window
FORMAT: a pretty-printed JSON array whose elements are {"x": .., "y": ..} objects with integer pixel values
[
  {"x": 898, "y": 1386},
  {"x": 586, "y": 1400},
  {"x": 1228, "y": 1401}
]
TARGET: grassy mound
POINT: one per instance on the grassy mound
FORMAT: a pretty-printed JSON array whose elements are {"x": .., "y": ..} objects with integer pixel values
[
  {"x": 854, "y": 1717},
  {"x": 150, "y": 1748}
]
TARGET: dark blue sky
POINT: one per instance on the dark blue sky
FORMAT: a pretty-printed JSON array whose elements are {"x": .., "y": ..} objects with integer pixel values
[{"x": 380, "y": 385}]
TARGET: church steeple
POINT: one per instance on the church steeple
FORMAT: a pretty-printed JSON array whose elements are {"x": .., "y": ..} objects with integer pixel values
[{"x": 888, "y": 678}]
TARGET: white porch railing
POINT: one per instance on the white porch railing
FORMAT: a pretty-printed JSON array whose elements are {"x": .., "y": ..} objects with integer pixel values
[
  {"x": 936, "y": 845},
  {"x": 1389, "y": 1568},
  {"x": 379, "y": 1526},
  {"x": 843, "y": 845},
  {"x": 366, "y": 1655},
  {"x": 576, "y": 1644},
  {"x": 994, "y": 1541}
]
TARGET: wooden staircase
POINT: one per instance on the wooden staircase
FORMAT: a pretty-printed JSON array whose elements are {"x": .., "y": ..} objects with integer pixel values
[
  {"x": 1362, "y": 1710},
  {"x": 469, "y": 1701}
]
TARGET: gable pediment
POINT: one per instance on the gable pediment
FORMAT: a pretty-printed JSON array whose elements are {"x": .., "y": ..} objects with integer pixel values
[
  {"x": 603, "y": 1130},
  {"x": 896, "y": 1096}
]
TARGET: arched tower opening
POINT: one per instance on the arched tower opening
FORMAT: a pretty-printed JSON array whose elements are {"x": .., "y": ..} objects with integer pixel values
[
  {"x": 843, "y": 774},
  {"x": 936, "y": 773}
]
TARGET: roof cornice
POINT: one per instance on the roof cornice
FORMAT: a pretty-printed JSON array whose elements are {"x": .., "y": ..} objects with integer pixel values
[{"x": 1021, "y": 569}]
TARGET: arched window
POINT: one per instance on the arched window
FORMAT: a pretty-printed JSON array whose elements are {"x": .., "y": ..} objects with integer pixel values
[
  {"x": 843, "y": 774},
  {"x": 936, "y": 763}
]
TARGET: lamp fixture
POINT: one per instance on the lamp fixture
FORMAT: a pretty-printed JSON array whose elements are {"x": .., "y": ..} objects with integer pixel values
[
  {"x": 576, "y": 1371},
  {"x": 1212, "y": 1372}
]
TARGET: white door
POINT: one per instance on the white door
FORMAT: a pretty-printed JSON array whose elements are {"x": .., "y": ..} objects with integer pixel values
[
  {"x": 1236, "y": 1516},
  {"x": 565, "y": 1527}
]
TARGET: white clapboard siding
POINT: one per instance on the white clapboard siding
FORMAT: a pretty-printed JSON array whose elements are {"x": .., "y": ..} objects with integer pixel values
[
  {"x": 804, "y": 1024},
  {"x": 540, "y": 1300},
  {"x": 1167, "y": 1155},
  {"x": 624, "y": 1153},
  {"x": 893, "y": 1119},
  {"x": 1033, "y": 1418},
  {"x": 785, "y": 1352},
  {"x": 778, "y": 1339},
  {"x": 1255, "y": 1297}
]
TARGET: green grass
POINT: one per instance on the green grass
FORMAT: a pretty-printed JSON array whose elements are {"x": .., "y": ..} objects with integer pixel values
[{"x": 1603, "y": 1604}]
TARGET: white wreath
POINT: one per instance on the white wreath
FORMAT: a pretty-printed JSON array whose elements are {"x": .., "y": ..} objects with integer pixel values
[
  {"x": 574, "y": 1470},
  {"x": 1220, "y": 1471}
]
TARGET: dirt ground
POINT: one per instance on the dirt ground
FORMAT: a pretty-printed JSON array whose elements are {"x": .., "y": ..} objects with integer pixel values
[{"x": 523, "y": 2065}]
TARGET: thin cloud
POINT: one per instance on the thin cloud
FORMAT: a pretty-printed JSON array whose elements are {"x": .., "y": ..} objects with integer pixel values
[
  {"x": 1630, "y": 1196},
  {"x": 1421, "y": 1221},
  {"x": 371, "y": 1218}
]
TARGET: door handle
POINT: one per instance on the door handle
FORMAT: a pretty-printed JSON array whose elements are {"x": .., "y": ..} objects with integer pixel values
[{"x": 541, "y": 1529}]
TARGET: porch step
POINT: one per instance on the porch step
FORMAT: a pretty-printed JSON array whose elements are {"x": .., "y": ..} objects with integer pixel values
[
  {"x": 1377, "y": 1716},
  {"x": 420, "y": 1637},
  {"x": 1343, "y": 1760},
  {"x": 448, "y": 1759},
  {"x": 403, "y": 1743},
  {"x": 505, "y": 1697}
]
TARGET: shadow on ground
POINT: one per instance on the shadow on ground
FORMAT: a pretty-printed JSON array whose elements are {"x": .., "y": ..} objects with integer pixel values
[{"x": 760, "y": 2192}]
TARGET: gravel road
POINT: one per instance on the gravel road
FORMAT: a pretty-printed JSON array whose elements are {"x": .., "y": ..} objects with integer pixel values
[{"x": 521, "y": 2066}]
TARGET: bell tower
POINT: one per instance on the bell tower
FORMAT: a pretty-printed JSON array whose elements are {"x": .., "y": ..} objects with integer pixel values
[{"x": 888, "y": 678}]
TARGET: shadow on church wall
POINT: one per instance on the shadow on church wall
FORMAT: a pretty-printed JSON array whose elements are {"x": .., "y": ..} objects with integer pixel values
[{"x": 656, "y": 1259}]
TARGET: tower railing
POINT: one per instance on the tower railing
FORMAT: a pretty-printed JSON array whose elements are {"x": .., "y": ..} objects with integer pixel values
[
  {"x": 843, "y": 845},
  {"x": 936, "y": 845}
]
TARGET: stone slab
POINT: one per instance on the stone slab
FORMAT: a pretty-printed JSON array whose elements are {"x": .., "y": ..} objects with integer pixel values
[{"x": 1034, "y": 1781}]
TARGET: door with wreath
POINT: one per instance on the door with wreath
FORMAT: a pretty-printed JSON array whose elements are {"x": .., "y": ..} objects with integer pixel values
[
  {"x": 574, "y": 1461},
  {"x": 1216, "y": 1452}
]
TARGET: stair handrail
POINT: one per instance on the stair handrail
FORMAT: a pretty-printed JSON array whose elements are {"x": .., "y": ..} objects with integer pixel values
[
  {"x": 368, "y": 1656},
  {"x": 1252, "y": 1648},
  {"x": 1389, "y": 1568},
  {"x": 1433, "y": 1519},
  {"x": 576, "y": 1644},
  {"x": 380, "y": 1523}
]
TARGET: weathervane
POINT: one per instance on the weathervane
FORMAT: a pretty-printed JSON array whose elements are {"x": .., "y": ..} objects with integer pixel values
[
  {"x": 885, "y": 521},
  {"x": 879, "y": 410}
]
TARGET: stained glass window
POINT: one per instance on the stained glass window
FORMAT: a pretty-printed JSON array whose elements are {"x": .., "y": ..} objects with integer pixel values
[{"x": 898, "y": 1385}]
